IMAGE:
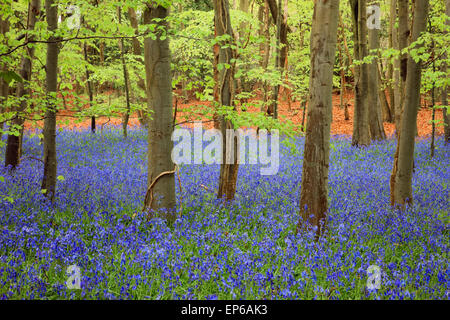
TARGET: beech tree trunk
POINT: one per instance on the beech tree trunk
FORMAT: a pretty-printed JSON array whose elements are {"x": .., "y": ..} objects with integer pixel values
[
  {"x": 444, "y": 91},
  {"x": 228, "y": 171},
  {"x": 273, "y": 109},
  {"x": 401, "y": 178},
  {"x": 143, "y": 117},
  {"x": 4, "y": 87},
  {"x": 283, "y": 30},
  {"x": 392, "y": 44},
  {"x": 49, "y": 177},
  {"x": 314, "y": 189},
  {"x": 89, "y": 85},
  {"x": 13, "y": 145},
  {"x": 361, "y": 134},
  {"x": 375, "y": 119},
  {"x": 126, "y": 80},
  {"x": 160, "y": 194}
]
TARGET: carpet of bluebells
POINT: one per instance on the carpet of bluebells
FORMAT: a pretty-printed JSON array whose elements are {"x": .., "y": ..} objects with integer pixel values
[{"x": 246, "y": 250}]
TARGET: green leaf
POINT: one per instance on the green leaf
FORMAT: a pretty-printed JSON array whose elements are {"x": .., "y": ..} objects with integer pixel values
[
  {"x": 9, "y": 76},
  {"x": 60, "y": 178}
]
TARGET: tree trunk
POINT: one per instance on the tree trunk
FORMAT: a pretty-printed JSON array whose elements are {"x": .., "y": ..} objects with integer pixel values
[
  {"x": 216, "y": 97},
  {"x": 161, "y": 191},
  {"x": 126, "y": 79},
  {"x": 375, "y": 120},
  {"x": 361, "y": 134},
  {"x": 142, "y": 116},
  {"x": 283, "y": 31},
  {"x": 49, "y": 177},
  {"x": 393, "y": 45},
  {"x": 444, "y": 91},
  {"x": 4, "y": 87},
  {"x": 386, "y": 111},
  {"x": 14, "y": 147},
  {"x": 273, "y": 110},
  {"x": 314, "y": 189},
  {"x": 266, "y": 49},
  {"x": 401, "y": 178},
  {"x": 228, "y": 169},
  {"x": 89, "y": 85}
]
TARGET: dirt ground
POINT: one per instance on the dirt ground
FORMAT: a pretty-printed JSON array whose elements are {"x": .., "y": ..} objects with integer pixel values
[{"x": 339, "y": 125}]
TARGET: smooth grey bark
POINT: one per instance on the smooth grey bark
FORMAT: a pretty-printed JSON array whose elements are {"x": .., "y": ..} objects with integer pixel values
[
  {"x": 375, "y": 120},
  {"x": 401, "y": 178},
  {"x": 314, "y": 189},
  {"x": 13, "y": 145},
  {"x": 361, "y": 134},
  {"x": 228, "y": 171},
  {"x": 50, "y": 163},
  {"x": 160, "y": 194}
]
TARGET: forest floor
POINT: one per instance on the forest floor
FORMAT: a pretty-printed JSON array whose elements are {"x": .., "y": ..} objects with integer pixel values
[{"x": 339, "y": 125}]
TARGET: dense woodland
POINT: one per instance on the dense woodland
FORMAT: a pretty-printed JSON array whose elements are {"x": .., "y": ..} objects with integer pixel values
[{"x": 91, "y": 92}]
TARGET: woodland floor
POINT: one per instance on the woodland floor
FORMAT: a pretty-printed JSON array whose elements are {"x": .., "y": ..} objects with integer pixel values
[{"x": 339, "y": 125}]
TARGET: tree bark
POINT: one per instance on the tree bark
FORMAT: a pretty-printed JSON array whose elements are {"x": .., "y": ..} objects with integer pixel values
[
  {"x": 89, "y": 85},
  {"x": 4, "y": 87},
  {"x": 14, "y": 146},
  {"x": 283, "y": 31},
  {"x": 126, "y": 80},
  {"x": 401, "y": 178},
  {"x": 314, "y": 189},
  {"x": 228, "y": 171},
  {"x": 143, "y": 117},
  {"x": 403, "y": 34},
  {"x": 444, "y": 92},
  {"x": 160, "y": 192},
  {"x": 375, "y": 120},
  {"x": 273, "y": 109},
  {"x": 361, "y": 134},
  {"x": 49, "y": 177},
  {"x": 393, "y": 45}
]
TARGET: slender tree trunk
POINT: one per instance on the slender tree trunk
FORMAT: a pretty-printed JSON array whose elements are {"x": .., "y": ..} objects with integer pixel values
[
  {"x": 342, "y": 73},
  {"x": 126, "y": 80},
  {"x": 375, "y": 120},
  {"x": 14, "y": 145},
  {"x": 161, "y": 191},
  {"x": 49, "y": 177},
  {"x": 266, "y": 56},
  {"x": 401, "y": 178},
  {"x": 283, "y": 30},
  {"x": 314, "y": 189},
  {"x": 444, "y": 92},
  {"x": 4, "y": 87},
  {"x": 273, "y": 110},
  {"x": 386, "y": 111},
  {"x": 361, "y": 134},
  {"x": 393, "y": 45},
  {"x": 143, "y": 118},
  {"x": 89, "y": 85},
  {"x": 228, "y": 169},
  {"x": 216, "y": 97},
  {"x": 433, "y": 96},
  {"x": 400, "y": 65}
]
